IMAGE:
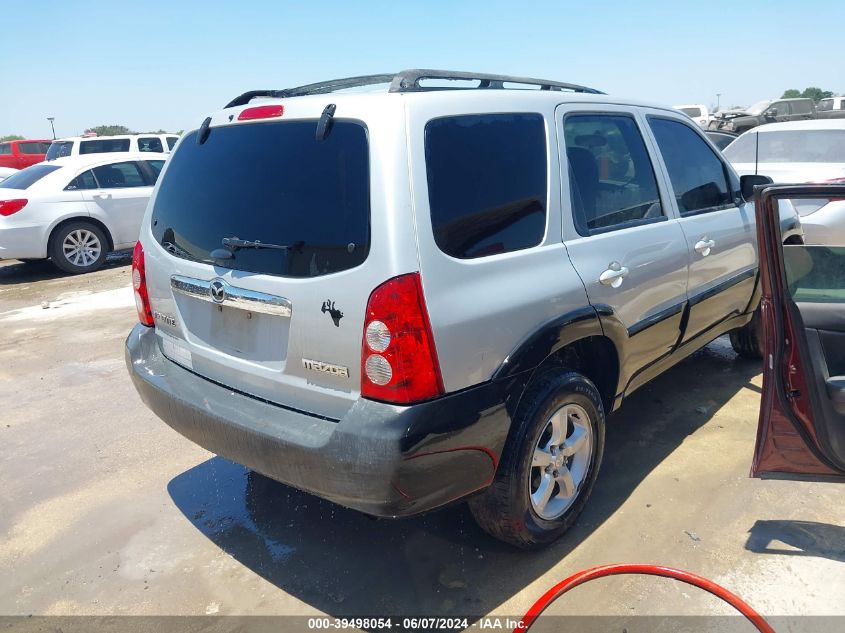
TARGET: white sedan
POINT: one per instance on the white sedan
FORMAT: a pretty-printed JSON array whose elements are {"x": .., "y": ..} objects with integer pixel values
[
  {"x": 75, "y": 210},
  {"x": 800, "y": 152}
]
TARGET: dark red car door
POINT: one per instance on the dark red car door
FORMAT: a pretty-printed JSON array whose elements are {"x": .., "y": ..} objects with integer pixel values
[{"x": 801, "y": 432}]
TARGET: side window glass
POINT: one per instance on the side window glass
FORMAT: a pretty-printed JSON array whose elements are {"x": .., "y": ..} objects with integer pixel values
[
  {"x": 612, "y": 181},
  {"x": 150, "y": 144},
  {"x": 487, "y": 185},
  {"x": 32, "y": 148},
  {"x": 5, "y": 148},
  {"x": 697, "y": 174},
  {"x": 155, "y": 167},
  {"x": 814, "y": 274},
  {"x": 119, "y": 175},
  {"x": 171, "y": 141},
  {"x": 800, "y": 107},
  {"x": 84, "y": 180}
]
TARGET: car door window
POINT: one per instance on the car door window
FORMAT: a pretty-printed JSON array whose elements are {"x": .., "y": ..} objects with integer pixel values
[
  {"x": 697, "y": 174},
  {"x": 800, "y": 107},
  {"x": 612, "y": 181},
  {"x": 150, "y": 144},
  {"x": 119, "y": 175},
  {"x": 33, "y": 148},
  {"x": 171, "y": 141},
  {"x": 85, "y": 180},
  {"x": 779, "y": 108},
  {"x": 155, "y": 168},
  {"x": 815, "y": 274}
]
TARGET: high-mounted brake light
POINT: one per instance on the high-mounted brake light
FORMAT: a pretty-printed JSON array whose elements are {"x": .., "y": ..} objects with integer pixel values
[
  {"x": 8, "y": 207},
  {"x": 139, "y": 284},
  {"x": 261, "y": 112},
  {"x": 398, "y": 359}
]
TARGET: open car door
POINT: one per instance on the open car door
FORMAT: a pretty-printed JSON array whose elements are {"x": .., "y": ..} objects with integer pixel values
[{"x": 801, "y": 432}]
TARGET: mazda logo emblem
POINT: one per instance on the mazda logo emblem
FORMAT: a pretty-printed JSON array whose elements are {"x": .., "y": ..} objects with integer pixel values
[{"x": 218, "y": 291}]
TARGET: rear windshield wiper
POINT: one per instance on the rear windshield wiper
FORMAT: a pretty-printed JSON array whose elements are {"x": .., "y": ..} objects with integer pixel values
[{"x": 232, "y": 245}]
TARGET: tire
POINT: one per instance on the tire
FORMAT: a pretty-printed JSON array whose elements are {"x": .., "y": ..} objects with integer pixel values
[
  {"x": 505, "y": 509},
  {"x": 90, "y": 257},
  {"x": 747, "y": 341}
]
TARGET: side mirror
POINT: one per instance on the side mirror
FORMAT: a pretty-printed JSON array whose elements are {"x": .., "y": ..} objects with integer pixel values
[
  {"x": 747, "y": 184},
  {"x": 771, "y": 114}
]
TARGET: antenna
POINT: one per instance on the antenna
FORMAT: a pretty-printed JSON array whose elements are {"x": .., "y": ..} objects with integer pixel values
[{"x": 756, "y": 151}]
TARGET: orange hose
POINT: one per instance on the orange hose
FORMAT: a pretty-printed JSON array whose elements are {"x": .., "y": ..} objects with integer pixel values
[{"x": 650, "y": 570}]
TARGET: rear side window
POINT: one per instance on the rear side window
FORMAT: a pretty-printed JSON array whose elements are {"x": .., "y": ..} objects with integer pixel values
[
  {"x": 150, "y": 144},
  {"x": 801, "y": 107},
  {"x": 155, "y": 167},
  {"x": 171, "y": 141},
  {"x": 104, "y": 145},
  {"x": 84, "y": 180},
  {"x": 59, "y": 149},
  {"x": 697, "y": 175},
  {"x": 5, "y": 148},
  {"x": 285, "y": 188},
  {"x": 119, "y": 175},
  {"x": 486, "y": 182},
  {"x": 612, "y": 181},
  {"x": 33, "y": 148},
  {"x": 25, "y": 178}
]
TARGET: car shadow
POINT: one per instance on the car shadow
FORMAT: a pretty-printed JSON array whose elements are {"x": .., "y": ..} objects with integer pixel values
[
  {"x": 345, "y": 564},
  {"x": 16, "y": 272},
  {"x": 797, "y": 538}
]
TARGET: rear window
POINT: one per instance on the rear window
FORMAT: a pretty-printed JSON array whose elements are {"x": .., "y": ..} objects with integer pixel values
[
  {"x": 486, "y": 183},
  {"x": 59, "y": 149},
  {"x": 104, "y": 145},
  {"x": 27, "y": 177},
  {"x": 271, "y": 182},
  {"x": 5, "y": 148},
  {"x": 795, "y": 146},
  {"x": 825, "y": 104},
  {"x": 171, "y": 141}
]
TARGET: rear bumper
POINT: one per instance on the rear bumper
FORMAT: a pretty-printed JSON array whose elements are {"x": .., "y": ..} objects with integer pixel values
[
  {"x": 22, "y": 242},
  {"x": 381, "y": 459}
]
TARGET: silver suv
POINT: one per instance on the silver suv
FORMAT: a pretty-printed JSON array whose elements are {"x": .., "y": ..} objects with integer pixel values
[{"x": 400, "y": 299}]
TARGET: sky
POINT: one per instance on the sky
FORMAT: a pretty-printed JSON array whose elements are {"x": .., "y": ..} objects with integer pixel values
[{"x": 154, "y": 65}]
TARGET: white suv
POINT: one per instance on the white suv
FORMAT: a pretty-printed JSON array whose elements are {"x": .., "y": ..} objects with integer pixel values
[{"x": 81, "y": 145}]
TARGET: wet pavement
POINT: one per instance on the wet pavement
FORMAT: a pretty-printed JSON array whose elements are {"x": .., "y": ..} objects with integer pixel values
[{"x": 104, "y": 510}]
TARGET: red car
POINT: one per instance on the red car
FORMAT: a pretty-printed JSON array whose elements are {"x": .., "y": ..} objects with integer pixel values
[
  {"x": 20, "y": 154},
  {"x": 802, "y": 414}
]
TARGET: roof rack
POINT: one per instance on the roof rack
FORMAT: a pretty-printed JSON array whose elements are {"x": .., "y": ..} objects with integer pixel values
[{"x": 409, "y": 81}]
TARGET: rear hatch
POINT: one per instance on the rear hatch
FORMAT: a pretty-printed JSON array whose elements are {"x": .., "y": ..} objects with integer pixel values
[{"x": 283, "y": 321}]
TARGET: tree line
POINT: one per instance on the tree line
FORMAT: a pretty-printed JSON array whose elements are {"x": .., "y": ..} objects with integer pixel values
[{"x": 816, "y": 94}]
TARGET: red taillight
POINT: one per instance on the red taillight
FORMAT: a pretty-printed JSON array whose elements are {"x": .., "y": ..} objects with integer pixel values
[
  {"x": 139, "y": 284},
  {"x": 398, "y": 358},
  {"x": 261, "y": 112},
  {"x": 8, "y": 207}
]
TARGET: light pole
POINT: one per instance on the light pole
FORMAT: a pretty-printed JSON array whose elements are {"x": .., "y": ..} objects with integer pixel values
[
  {"x": 718, "y": 97},
  {"x": 52, "y": 127}
]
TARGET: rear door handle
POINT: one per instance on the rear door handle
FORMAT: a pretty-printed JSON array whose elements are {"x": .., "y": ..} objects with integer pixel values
[
  {"x": 704, "y": 246},
  {"x": 614, "y": 275}
]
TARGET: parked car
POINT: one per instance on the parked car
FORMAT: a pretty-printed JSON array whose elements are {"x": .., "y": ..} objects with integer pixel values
[
  {"x": 5, "y": 172},
  {"x": 22, "y": 153},
  {"x": 782, "y": 110},
  {"x": 831, "y": 108},
  {"x": 387, "y": 309},
  {"x": 721, "y": 138},
  {"x": 799, "y": 152},
  {"x": 78, "y": 145},
  {"x": 802, "y": 409},
  {"x": 75, "y": 210},
  {"x": 698, "y": 113}
]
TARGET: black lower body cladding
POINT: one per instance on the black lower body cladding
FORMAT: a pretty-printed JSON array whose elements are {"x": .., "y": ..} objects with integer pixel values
[{"x": 381, "y": 459}]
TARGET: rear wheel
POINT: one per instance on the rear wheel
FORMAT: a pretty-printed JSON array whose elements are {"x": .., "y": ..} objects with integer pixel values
[
  {"x": 549, "y": 465},
  {"x": 78, "y": 247},
  {"x": 747, "y": 341}
]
